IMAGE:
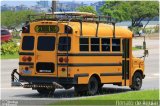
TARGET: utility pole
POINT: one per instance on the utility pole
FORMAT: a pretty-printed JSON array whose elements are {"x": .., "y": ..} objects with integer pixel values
[{"x": 53, "y": 6}]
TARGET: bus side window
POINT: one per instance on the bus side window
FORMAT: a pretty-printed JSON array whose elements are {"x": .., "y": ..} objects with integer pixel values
[
  {"x": 115, "y": 44},
  {"x": 105, "y": 44},
  {"x": 64, "y": 44},
  {"x": 84, "y": 44},
  {"x": 95, "y": 44}
]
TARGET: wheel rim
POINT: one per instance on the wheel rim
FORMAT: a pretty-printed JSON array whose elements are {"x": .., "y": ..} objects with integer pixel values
[
  {"x": 93, "y": 87},
  {"x": 138, "y": 82}
]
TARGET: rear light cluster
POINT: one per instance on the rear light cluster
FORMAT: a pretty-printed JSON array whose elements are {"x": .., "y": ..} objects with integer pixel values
[
  {"x": 63, "y": 69},
  {"x": 65, "y": 59},
  {"x": 26, "y": 68},
  {"x": 61, "y": 59},
  {"x": 26, "y": 58}
]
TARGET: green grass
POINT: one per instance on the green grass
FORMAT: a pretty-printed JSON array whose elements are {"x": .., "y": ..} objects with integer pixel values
[
  {"x": 112, "y": 98},
  {"x": 135, "y": 48},
  {"x": 9, "y": 56}
]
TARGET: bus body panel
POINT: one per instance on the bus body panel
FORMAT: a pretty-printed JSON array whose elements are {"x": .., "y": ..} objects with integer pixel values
[{"x": 107, "y": 65}]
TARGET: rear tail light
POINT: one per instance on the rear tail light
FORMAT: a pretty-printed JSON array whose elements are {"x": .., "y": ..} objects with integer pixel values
[
  {"x": 29, "y": 58},
  {"x": 24, "y": 58},
  {"x": 63, "y": 69},
  {"x": 61, "y": 59},
  {"x": 26, "y": 68},
  {"x": 66, "y": 59}
]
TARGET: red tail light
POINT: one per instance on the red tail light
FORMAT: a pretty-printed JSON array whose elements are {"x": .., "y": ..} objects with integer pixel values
[
  {"x": 63, "y": 69},
  {"x": 66, "y": 59},
  {"x": 26, "y": 68},
  {"x": 61, "y": 59},
  {"x": 29, "y": 58},
  {"x": 24, "y": 58}
]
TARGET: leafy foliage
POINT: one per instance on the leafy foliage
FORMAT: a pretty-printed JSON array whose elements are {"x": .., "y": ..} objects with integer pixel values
[
  {"x": 134, "y": 11},
  {"x": 9, "y": 48},
  {"x": 89, "y": 9},
  {"x": 12, "y": 19},
  {"x": 116, "y": 9}
]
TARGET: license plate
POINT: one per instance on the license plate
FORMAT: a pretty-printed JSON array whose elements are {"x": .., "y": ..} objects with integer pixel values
[{"x": 45, "y": 71}]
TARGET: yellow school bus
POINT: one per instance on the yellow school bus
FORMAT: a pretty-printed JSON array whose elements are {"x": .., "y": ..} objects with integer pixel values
[{"x": 76, "y": 49}]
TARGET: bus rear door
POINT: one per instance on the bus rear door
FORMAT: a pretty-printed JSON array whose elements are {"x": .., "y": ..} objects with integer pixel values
[{"x": 46, "y": 55}]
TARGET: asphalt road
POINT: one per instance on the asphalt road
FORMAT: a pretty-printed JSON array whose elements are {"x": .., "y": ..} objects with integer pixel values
[{"x": 151, "y": 80}]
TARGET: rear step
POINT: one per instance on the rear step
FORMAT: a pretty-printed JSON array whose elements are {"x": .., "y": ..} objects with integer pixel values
[
  {"x": 50, "y": 86},
  {"x": 16, "y": 83}
]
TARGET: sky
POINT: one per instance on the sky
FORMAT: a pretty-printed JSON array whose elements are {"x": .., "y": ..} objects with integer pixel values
[
  {"x": 33, "y": 2},
  {"x": 16, "y": 2}
]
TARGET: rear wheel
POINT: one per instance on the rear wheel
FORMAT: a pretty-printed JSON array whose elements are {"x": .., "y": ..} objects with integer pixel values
[
  {"x": 67, "y": 86},
  {"x": 80, "y": 89},
  {"x": 88, "y": 89},
  {"x": 93, "y": 86},
  {"x": 45, "y": 91},
  {"x": 136, "y": 81}
]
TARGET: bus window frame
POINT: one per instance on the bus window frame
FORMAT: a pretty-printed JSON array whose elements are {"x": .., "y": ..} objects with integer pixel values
[
  {"x": 110, "y": 44},
  {"x": 85, "y": 44},
  {"x": 58, "y": 44},
  {"x": 94, "y": 44},
  {"x": 21, "y": 46},
  {"x": 120, "y": 44},
  {"x": 46, "y": 50}
]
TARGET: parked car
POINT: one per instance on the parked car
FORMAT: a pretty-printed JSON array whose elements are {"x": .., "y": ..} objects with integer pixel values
[{"x": 5, "y": 35}]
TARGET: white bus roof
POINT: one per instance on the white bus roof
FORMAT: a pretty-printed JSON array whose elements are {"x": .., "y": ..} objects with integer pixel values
[{"x": 83, "y": 14}]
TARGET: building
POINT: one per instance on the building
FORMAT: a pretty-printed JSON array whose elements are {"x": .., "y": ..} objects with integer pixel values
[
  {"x": 68, "y": 6},
  {"x": 98, "y": 5},
  {"x": 43, "y": 4}
]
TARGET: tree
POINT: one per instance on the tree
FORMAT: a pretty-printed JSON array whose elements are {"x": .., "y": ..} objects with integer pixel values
[
  {"x": 89, "y": 9},
  {"x": 11, "y": 19},
  {"x": 135, "y": 11}
]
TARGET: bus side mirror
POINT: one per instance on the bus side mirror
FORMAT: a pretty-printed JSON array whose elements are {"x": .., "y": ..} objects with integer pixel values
[
  {"x": 144, "y": 45},
  {"x": 146, "y": 53}
]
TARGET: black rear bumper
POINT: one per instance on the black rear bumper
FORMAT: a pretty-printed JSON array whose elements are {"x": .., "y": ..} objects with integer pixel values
[
  {"x": 38, "y": 79},
  {"x": 43, "y": 80}
]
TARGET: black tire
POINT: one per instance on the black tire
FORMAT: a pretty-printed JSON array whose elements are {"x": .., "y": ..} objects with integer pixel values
[
  {"x": 80, "y": 89},
  {"x": 67, "y": 86},
  {"x": 100, "y": 86},
  {"x": 93, "y": 86},
  {"x": 45, "y": 91},
  {"x": 136, "y": 81}
]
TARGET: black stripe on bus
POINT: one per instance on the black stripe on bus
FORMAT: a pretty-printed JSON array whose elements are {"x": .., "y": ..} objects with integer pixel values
[
  {"x": 90, "y": 54},
  {"x": 90, "y": 64},
  {"x": 110, "y": 74},
  {"x": 25, "y": 63},
  {"x": 81, "y": 75},
  {"x": 26, "y": 53}
]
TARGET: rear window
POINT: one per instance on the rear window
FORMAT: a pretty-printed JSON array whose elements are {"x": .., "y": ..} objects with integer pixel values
[
  {"x": 64, "y": 44},
  {"x": 28, "y": 43},
  {"x": 4, "y": 32},
  {"x": 46, "y": 43}
]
